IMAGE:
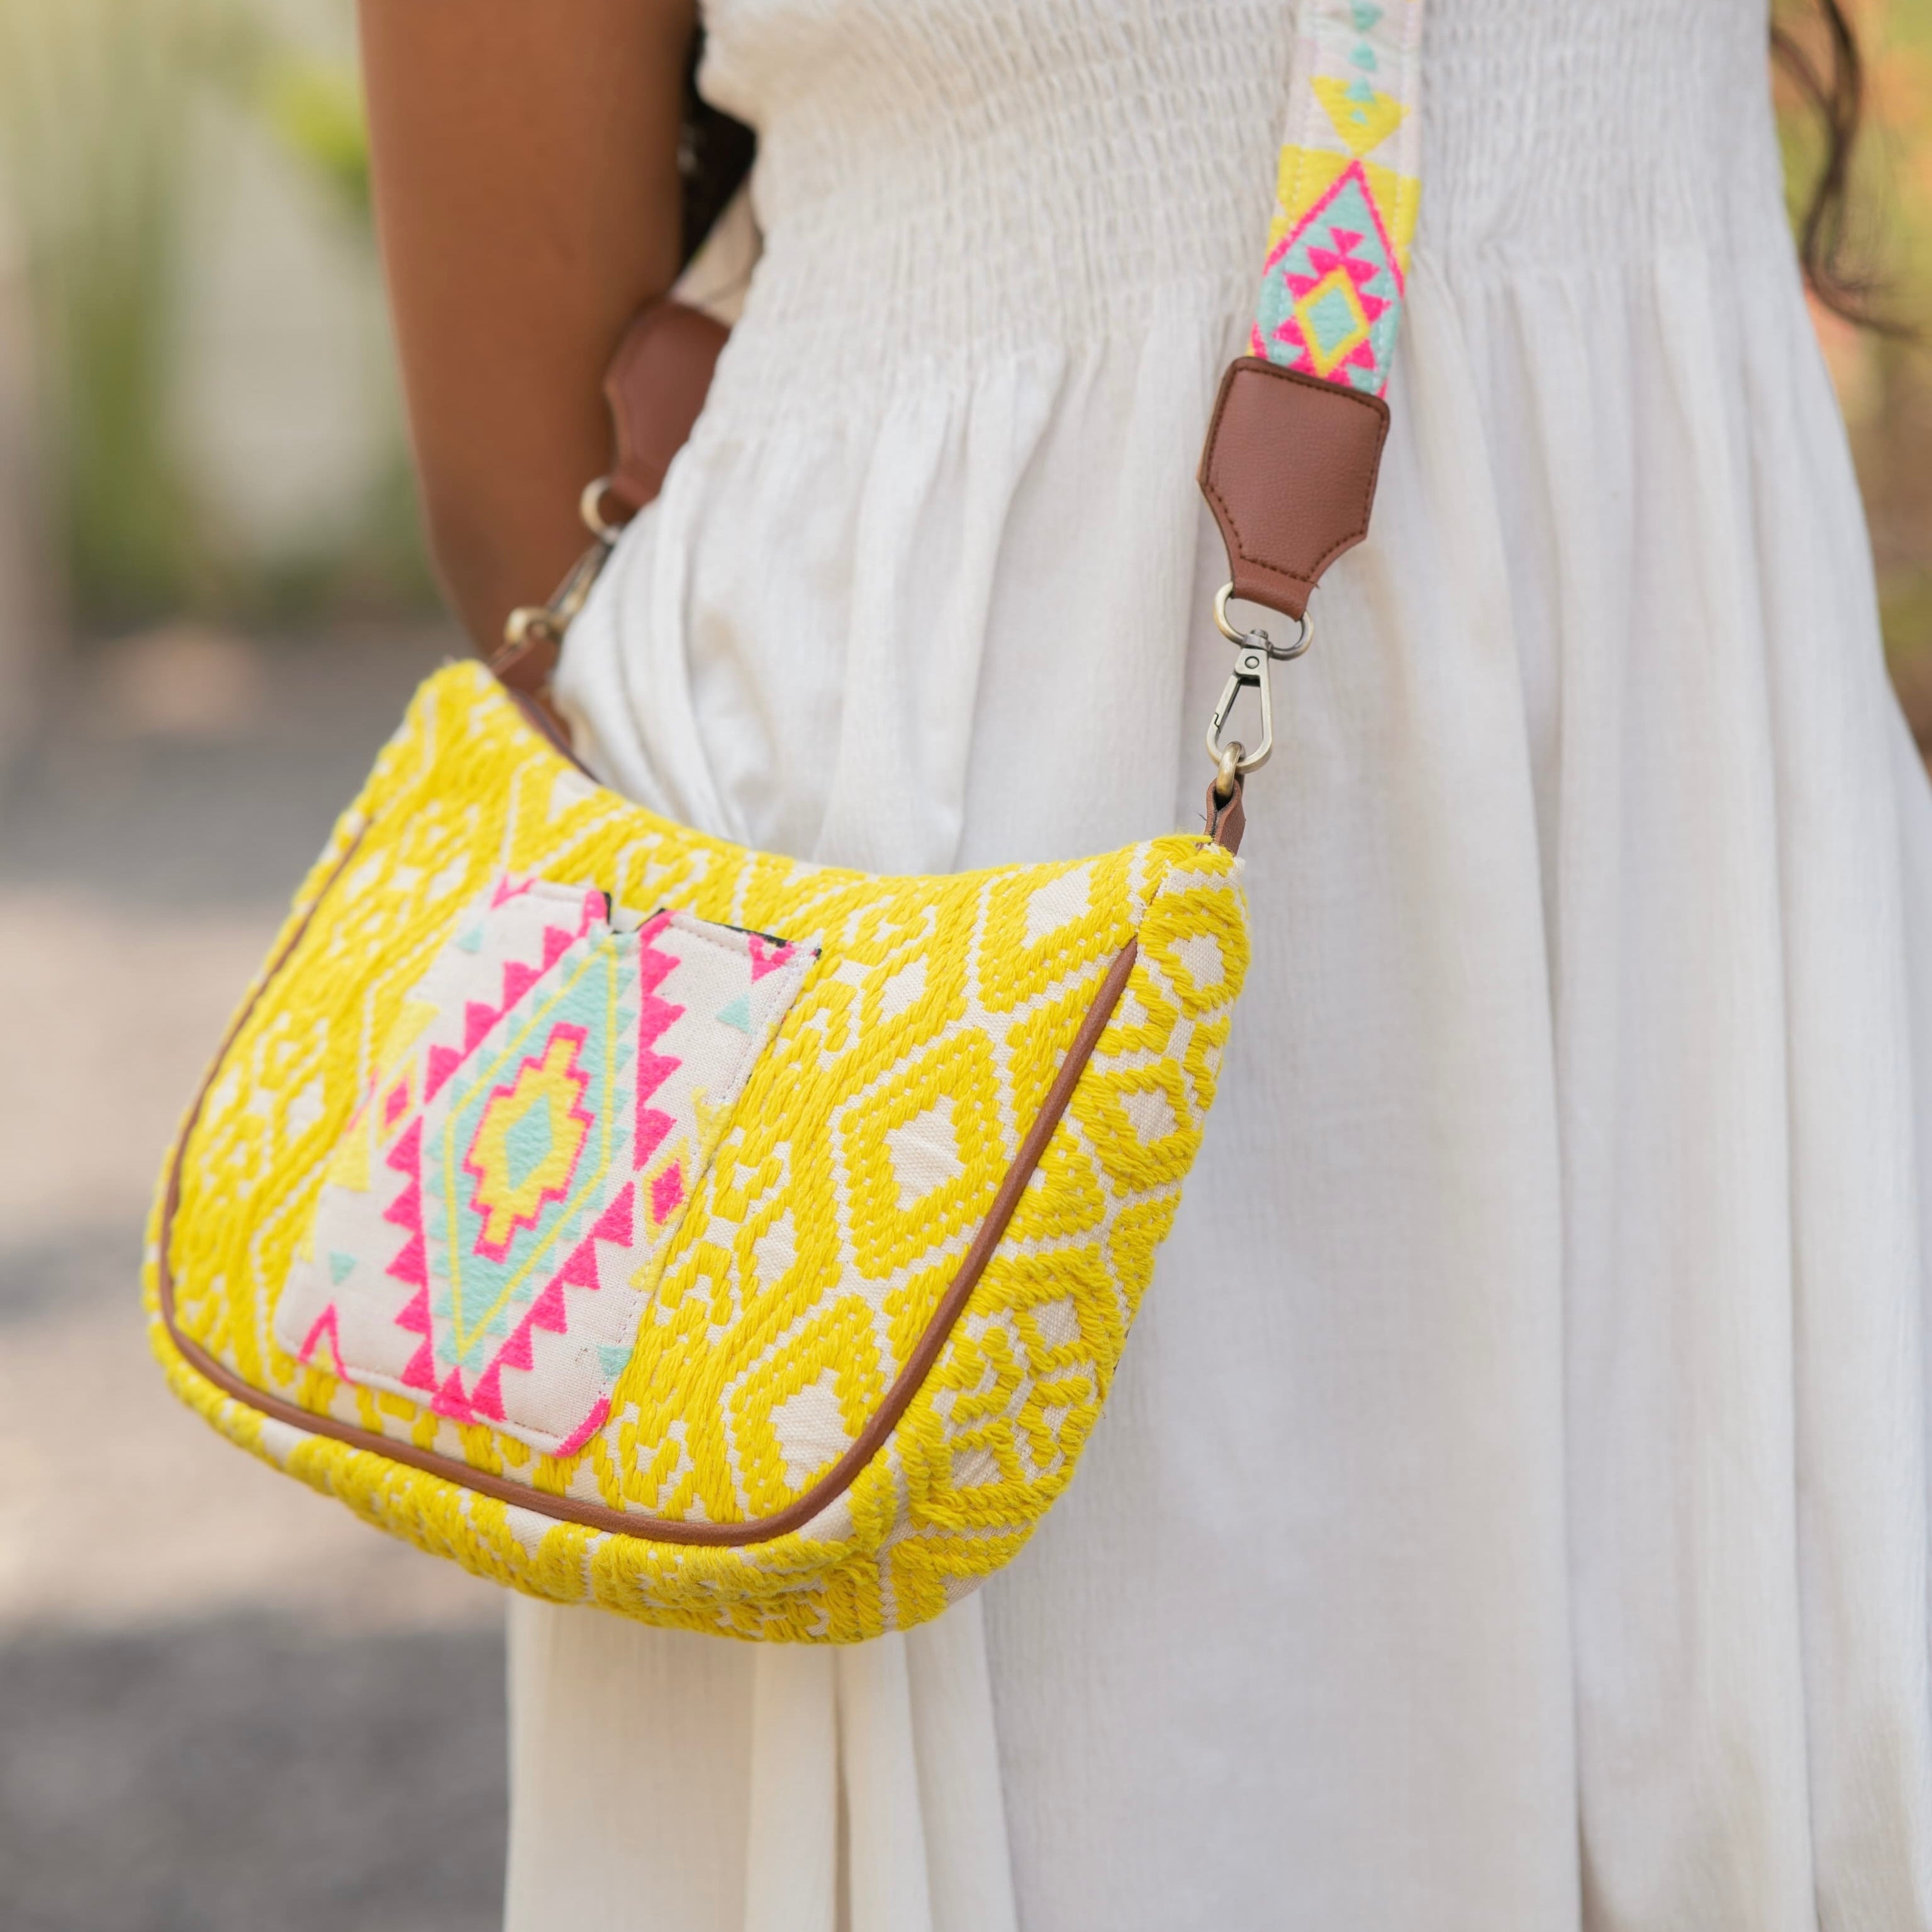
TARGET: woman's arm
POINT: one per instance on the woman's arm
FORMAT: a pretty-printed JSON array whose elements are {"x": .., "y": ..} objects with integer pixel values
[{"x": 525, "y": 162}]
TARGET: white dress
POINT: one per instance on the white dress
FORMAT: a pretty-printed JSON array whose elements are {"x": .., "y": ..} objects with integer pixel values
[{"x": 1512, "y": 1513}]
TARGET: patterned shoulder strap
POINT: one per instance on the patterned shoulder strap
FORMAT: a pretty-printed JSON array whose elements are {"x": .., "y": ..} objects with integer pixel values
[
  {"x": 1295, "y": 443},
  {"x": 1332, "y": 287}
]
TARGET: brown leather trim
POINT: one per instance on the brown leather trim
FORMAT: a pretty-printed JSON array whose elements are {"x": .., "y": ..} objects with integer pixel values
[
  {"x": 1289, "y": 471},
  {"x": 1227, "y": 818},
  {"x": 836, "y": 1481},
  {"x": 526, "y": 668},
  {"x": 549, "y": 727},
  {"x": 656, "y": 386}
]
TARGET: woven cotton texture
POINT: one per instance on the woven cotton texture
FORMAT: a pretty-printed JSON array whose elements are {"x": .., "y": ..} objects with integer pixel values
[
  {"x": 523, "y": 1153},
  {"x": 820, "y": 1214}
]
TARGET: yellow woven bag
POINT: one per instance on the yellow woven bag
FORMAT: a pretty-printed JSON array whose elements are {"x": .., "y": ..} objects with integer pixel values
[
  {"x": 759, "y": 1266},
  {"x": 731, "y": 1242}
]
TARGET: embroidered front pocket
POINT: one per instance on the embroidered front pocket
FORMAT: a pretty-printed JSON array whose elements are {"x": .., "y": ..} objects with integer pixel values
[{"x": 550, "y": 1093}]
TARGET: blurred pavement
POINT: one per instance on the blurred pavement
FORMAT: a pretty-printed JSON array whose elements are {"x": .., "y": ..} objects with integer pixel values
[{"x": 225, "y": 1705}]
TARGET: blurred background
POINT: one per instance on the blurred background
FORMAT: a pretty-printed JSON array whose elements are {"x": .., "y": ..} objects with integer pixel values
[
  {"x": 228, "y": 1705},
  {"x": 225, "y": 1705}
]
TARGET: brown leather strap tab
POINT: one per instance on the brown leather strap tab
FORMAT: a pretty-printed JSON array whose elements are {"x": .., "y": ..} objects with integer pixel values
[
  {"x": 1227, "y": 818},
  {"x": 525, "y": 667},
  {"x": 656, "y": 385},
  {"x": 1289, "y": 471}
]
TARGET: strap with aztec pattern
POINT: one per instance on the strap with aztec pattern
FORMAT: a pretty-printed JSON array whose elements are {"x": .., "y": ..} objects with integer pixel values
[
  {"x": 1332, "y": 287},
  {"x": 1295, "y": 441}
]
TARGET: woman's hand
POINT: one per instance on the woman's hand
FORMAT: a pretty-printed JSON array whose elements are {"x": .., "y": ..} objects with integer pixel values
[{"x": 525, "y": 160}]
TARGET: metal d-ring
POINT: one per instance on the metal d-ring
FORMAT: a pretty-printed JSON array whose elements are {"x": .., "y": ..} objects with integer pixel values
[
  {"x": 531, "y": 622},
  {"x": 1253, "y": 651},
  {"x": 1229, "y": 773},
  {"x": 590, "y": 508},
  {"x": 1304, "y": 635}
]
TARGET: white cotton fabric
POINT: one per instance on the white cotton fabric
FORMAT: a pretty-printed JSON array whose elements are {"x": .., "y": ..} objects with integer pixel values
[{"x": 1512, "y": 1511}]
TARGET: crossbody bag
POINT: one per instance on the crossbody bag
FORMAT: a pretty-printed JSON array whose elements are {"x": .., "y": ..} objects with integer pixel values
[{"x": 731, "y": 1242}]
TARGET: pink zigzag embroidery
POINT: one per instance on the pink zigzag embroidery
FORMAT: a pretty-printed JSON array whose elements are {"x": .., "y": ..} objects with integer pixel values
[
  {"x": 667, "y": 1193},
  {"x": 1325, "y": 261},
  {"x": 616, "y": 1225},
  {"x": 451, "y": 1401},
  {"x": 768, "y": 957},
  {"x": 325, "y": 1324},
  {"x": 596, "y": 904},
  {"x": 411, "y": 1265},
  {"x": 514, "y": 1354},
  {"x": 479, "y": 1016},
  {"x": 655, "y": 1016},
  {"x": 585, "y": 1430}
]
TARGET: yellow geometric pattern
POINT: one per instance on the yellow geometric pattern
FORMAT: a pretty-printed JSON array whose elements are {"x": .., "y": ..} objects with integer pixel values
[
  {"x": 1348, "y": 186},
  {"x": 839, "y": 1198},
  {"x": 546, "y": 1096},
  {"x": 1363, "y": 117},
  {"x": 1306, "y": 174}
]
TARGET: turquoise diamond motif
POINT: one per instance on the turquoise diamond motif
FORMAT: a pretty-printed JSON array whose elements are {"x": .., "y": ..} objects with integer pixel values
[{"x": 1331, "y": 296}]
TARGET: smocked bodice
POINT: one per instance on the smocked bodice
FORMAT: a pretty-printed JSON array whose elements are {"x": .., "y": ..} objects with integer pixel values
[{"x": 940, "y": 180}]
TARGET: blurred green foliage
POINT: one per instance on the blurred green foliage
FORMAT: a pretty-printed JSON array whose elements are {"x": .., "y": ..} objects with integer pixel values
[
  {"x": 314, "y": 108},
  {"x": 94, "y": 145},
  {"x": 101, "y": 104}
]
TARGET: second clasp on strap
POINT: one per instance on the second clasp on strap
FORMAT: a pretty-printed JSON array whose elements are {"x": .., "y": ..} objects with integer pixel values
[{"x": 1254, "y": 650}]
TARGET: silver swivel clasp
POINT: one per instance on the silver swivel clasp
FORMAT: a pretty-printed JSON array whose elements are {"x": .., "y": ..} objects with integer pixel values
[{"x": 1254, "y": 650}]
